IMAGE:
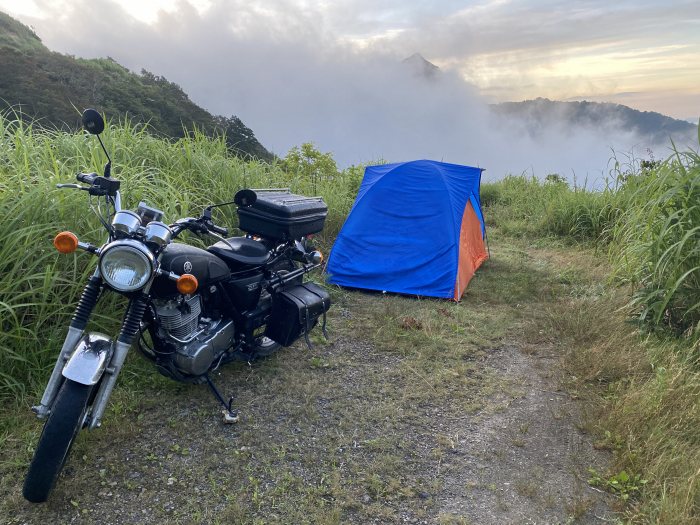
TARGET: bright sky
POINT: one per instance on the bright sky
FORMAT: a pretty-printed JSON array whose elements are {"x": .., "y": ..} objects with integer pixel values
[
  {"x": 644, "y": 53},
  {"x": 330, "y": 71}
]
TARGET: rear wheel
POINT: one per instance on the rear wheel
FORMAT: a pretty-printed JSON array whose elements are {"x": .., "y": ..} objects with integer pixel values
[
  {"x": 264, "y": 346},
  {"x": 61, "y": 428}
]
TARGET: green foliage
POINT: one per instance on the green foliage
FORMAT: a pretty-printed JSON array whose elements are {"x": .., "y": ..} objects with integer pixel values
[
  {"x": 523, "y": 206},
  {"x": 622, "y": 484},
  {"x": 52, "y": 89},
  {"x": 17, "y": 35},
  {"x": 39, "y": 288},
  {"x": 307, "y": 162},
  {"x": 657, "y": 241},
  {"x": 649, "y": 222}
]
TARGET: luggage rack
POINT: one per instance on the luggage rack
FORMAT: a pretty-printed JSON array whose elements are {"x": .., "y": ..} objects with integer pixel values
[{"x": 281, "y": 191}]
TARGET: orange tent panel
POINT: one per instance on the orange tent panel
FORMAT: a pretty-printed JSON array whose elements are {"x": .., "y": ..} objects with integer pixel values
[{"x": 472, "y": 251}]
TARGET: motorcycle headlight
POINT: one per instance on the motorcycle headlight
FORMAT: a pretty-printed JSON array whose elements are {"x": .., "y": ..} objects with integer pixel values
[{"x": 126, "y": 265}]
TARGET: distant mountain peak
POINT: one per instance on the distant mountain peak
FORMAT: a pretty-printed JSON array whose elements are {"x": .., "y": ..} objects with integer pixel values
[{"x": 421, "y": 66}]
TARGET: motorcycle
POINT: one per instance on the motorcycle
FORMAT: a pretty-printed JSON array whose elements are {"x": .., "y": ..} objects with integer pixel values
[{"x": 241, "y": 298}]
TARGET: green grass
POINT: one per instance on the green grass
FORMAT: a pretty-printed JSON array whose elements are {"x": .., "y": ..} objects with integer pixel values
[
  {"x": 625, "y": 310},
  {"x": 643, "y": 377},
  {"x": 38, "y": 287}
]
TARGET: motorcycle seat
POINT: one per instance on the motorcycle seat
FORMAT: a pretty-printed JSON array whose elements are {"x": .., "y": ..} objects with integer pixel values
[{"x": 245, "y": 251}]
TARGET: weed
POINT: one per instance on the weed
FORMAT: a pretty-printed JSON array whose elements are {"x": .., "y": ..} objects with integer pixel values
[{"x": 622, "y": 484}]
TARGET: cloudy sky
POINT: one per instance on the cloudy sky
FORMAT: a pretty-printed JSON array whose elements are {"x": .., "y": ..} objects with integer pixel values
[{"x": 331, "y": 72}]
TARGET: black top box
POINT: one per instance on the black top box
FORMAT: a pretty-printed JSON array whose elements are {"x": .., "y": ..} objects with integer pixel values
[{"x": 279, "y": 214}]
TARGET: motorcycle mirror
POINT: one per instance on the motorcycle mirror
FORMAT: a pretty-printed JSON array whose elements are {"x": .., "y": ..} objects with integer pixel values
[
  {"x": 245, "y": 198},
  {"x": 93, "y": 121}
]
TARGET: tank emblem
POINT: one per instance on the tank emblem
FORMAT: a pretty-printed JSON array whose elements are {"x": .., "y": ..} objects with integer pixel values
[
  {"x": 187, "y": 267},
  {"x": 252, "y": 286}
]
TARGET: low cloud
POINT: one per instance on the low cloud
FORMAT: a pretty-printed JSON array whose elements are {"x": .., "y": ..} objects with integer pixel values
[{"x": 289, "y": 77}]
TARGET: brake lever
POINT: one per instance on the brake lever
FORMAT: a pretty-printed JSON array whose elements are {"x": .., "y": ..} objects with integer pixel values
[{"x": 73, "y": 186}]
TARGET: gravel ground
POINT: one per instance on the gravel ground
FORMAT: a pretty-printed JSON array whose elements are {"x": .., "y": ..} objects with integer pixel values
[
  {"x": 522, "y": 460},
  {"x": 518, "y": 459}
]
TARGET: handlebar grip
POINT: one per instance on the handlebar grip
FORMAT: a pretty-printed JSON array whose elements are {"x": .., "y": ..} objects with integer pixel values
[
  {"x": 218, "y": 229},
  {"x": 87, "y": 178}
]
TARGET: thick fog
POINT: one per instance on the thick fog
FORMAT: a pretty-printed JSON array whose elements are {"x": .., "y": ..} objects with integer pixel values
[{"x": 291, "y": 80}]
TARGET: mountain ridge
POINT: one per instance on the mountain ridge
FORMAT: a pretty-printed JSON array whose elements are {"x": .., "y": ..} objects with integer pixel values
[
  {"x": 50, "y": 88},
  {"x": 541, "y": 112}
]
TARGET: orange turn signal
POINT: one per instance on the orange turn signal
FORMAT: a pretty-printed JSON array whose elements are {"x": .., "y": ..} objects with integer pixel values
[
  {"x": 187, "y": 284},
  {"x": 66, "y": 242}
]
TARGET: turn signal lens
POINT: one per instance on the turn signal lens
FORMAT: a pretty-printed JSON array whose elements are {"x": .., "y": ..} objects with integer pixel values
[
  {"x": 187, "y": 284},
  {"x": 66, "y": 242}
]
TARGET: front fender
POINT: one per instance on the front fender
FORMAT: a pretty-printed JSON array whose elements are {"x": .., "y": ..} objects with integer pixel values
[{"x": 88, "y": 361}]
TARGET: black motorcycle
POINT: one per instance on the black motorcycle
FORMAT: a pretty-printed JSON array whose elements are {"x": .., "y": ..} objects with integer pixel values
[{"x": 190, "y": 310}]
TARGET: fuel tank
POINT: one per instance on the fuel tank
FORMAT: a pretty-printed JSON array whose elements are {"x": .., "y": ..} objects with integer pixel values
[{"x": 181, "y": 258}]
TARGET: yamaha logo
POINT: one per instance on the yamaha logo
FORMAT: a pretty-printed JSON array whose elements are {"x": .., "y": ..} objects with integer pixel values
[{"x": 187, "y": 267}]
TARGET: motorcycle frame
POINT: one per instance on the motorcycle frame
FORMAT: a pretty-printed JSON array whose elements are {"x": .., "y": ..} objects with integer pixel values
[{"x": 80, "y": 364}]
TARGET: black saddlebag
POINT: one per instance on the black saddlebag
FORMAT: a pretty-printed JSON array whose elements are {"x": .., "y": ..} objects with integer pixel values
[
  {"x": 279, "y": 214},
  {"x": 295, "y": 312}
]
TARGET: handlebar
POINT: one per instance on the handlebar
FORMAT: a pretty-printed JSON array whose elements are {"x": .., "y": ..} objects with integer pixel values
[
  {"x": 217, "y": 229},
  {"x": 201, "y": 225},
  {"x": 99, "y": 185},
  {"x": 87, "y": 178}
]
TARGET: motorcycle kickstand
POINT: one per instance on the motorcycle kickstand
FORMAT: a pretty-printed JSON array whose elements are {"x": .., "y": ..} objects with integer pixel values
[{"x": 230, "y": 415}]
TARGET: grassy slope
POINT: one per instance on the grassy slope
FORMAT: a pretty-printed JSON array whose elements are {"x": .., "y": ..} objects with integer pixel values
[
  {"x": 356, "y": 430},
  {"x": 642, "y": 379},
  {"x": 54, "y": 88},
  {"x": 642, "y": 388}
]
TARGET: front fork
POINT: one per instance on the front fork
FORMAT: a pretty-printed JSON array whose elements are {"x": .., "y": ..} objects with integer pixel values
[
  {"x": 119, "y": 350},
  {"x": 87, "y": 302}
]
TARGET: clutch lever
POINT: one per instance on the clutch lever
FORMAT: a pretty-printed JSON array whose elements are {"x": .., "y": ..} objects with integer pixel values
[{"x": 221, "y": 238}]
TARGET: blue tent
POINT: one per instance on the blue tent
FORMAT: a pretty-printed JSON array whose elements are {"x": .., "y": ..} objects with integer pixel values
[{"x": 415, "y": 228}]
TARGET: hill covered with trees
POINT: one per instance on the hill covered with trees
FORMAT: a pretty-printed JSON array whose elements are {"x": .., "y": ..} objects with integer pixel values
[
  {"x": 542, "y": 112},
  {"x": 52, "y": 89}
]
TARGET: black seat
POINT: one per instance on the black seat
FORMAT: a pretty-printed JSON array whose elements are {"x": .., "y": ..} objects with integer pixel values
[{"x": 247, "y": 252}]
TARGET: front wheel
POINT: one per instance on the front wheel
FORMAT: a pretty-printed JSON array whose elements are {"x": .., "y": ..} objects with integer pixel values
[{"x": 61, "y": 428}]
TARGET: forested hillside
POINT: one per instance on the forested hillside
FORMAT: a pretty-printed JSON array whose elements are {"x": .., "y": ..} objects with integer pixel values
[
  {"x": 542, "y": 112},
  {"x": 52, "y": 89}
]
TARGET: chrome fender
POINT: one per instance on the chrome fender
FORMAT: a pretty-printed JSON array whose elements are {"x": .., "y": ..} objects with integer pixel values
[{"x": 89, "y": 360}]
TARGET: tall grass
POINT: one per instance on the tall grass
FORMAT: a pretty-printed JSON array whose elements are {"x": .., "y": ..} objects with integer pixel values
[
  {"x": 523, "y": 206},
  {"x": 38, "y": 287},
  {"x": 648, "y": 223},
  {"x": 657, "y": 242}
]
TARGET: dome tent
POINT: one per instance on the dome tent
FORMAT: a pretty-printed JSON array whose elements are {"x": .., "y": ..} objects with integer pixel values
[{"x": 415, "y": 228}]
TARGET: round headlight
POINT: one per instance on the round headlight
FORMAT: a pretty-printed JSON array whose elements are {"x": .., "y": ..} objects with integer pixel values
[{"x": 126, "y": 265}]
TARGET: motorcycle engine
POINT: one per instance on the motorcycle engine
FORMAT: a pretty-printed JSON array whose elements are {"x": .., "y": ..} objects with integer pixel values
[{"x": 198, "y": 340}]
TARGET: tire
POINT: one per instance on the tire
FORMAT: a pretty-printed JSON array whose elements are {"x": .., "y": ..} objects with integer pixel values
[
  {"x": 57, "y": 437},
  {"x": 263, "y": 347}
]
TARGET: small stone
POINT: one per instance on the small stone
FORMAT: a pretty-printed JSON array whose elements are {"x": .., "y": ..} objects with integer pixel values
[
  {"x": 423, "y": 495},
  {"x": 366, "y": 499}
]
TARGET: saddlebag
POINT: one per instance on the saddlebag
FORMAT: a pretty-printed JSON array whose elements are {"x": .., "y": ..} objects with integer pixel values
[
  {"x": 295, "y": 312},
  {"x": 279, "y": 214}
]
